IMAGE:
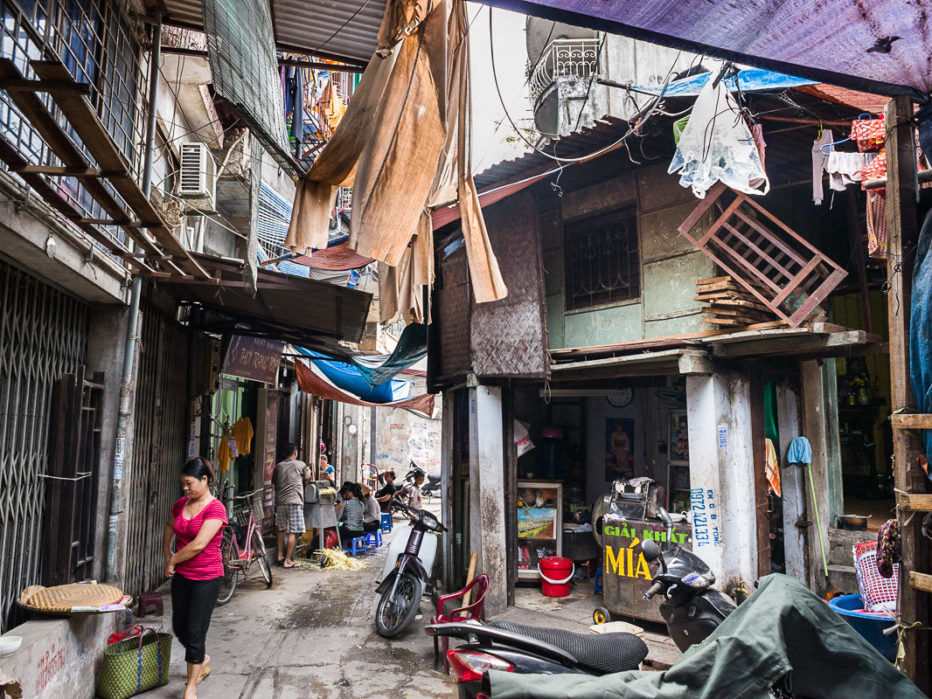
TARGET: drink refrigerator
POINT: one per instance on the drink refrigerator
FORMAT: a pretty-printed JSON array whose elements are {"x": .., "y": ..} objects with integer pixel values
[{"x": 540, "y": 525}]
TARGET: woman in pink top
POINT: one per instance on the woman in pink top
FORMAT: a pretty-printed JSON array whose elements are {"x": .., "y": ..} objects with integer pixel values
[{"x": 196, "y": 567}]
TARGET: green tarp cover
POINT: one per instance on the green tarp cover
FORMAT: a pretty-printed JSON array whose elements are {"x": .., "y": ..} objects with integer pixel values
[{"x": 782, "y": 635}]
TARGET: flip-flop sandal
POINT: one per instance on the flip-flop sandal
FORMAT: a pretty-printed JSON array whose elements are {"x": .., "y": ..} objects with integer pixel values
[
  {"x": 280, "y": 561},
  {"x": 289, "y": 567},
  {"x": 205, "y": 671}
]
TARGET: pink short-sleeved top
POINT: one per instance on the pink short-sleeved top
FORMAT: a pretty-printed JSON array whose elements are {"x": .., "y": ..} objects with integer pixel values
[{"x": 208, "y": 564}]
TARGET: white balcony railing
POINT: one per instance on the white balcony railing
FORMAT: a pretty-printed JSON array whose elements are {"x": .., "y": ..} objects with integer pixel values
[{"x": 575, "y": 58}]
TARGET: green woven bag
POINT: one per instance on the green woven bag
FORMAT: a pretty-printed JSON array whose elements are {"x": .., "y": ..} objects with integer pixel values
[{"x": 135, "y": 665}]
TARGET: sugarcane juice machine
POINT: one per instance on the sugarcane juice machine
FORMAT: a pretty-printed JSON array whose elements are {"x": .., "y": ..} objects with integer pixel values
[{"x": 622, "y": 519}]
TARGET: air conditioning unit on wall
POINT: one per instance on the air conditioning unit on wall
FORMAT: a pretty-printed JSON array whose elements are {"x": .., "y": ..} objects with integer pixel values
[{"x": 198, "y": 178}]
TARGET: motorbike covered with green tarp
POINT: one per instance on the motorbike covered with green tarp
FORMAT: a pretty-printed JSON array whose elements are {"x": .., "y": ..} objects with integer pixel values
[{"x": 783, "y": 636}]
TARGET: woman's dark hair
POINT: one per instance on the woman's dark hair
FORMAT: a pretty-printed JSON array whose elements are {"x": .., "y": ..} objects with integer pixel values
[
  {"x": 199, "y": 468},
  {"x": 357, "y": 491}
]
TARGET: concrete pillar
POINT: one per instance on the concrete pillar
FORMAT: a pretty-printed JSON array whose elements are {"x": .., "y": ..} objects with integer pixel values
[
  {"x": 792, "y": 485},
  {"x": 106, "y": 343},
  {"x": 486, "y": 492},
  {"x": 446, "y": 488},
  {"x": 721, "y": 476},
  {"x": 820, "y": 427}
]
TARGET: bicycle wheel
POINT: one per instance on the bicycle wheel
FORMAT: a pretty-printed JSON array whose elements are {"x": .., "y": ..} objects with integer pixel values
[
  {"x": 230, "y": 570},
  {"x": 261, "y": 558}
]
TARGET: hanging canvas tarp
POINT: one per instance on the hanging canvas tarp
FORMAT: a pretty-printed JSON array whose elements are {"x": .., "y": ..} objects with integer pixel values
[{"x": 880, "y": 47}]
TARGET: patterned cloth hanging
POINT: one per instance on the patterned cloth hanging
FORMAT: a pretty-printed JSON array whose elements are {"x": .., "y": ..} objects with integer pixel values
[
  {"x": 869, "y": 133},
  {"x": 876, "y": 218}
]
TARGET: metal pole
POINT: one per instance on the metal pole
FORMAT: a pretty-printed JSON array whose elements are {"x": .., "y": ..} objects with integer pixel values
[{"x": 129, "y": 356}]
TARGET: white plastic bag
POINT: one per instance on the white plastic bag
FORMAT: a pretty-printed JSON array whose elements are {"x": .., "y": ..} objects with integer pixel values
[{"x": 717, "y": 145}]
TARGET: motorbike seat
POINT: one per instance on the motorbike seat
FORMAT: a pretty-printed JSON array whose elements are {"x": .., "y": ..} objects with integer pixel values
[{"x": 602, "y": 653}]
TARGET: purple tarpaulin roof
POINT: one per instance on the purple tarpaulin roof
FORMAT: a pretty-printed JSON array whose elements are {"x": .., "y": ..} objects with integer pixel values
[{"x": 880, "y": 46}]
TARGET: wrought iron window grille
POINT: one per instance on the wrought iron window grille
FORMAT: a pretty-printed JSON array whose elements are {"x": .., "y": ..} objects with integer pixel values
[{"x": 602, "y": 261}]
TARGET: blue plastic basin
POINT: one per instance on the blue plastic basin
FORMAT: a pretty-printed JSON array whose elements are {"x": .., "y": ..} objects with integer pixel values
[{"x": 870, "y": 626}]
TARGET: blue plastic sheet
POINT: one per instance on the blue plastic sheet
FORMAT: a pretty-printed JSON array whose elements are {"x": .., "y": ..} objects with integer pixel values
[
  {"x": 920, "y": 327},
  {"x": 749, "y": 80}
]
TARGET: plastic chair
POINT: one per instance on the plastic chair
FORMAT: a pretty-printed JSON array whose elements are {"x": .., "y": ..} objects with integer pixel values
[
  {"x": 472, "y": 611},
  {"x": 374, "y": 538},
  {"x": 355, "y": 545},
  {"x": 386, "y": 522}
]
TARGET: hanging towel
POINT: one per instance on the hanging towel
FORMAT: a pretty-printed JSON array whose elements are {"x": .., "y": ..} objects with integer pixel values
[
  {"x": 772, "y": 468},
  {"x": 920, "y": 328},
  {"x": 242, "y": 432},
  {"x": 845, "y": 168},
  {"x": 800, "y": 451},
  {"x": 819, "y": 159}
]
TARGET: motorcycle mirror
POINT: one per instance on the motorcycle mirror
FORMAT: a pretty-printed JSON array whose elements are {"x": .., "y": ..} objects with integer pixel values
[{"x": 652, "y": 552}]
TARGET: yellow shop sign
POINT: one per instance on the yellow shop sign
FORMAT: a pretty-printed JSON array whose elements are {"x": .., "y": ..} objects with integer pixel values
[{"x": 622, "y": 562}]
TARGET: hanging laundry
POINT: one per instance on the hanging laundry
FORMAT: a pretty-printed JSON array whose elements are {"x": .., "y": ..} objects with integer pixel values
[
  {"x": 877, "y": 168},
  {"x": 869, "y": 133},
  {"x": 876, "y": 219},
  {"x": 845, "y": 168},
  {"x": 242, "y": 432},
  {"x": 716, "y": 145},
  {"x": 772, "y": 469},
  {"x": 757, "y": 133},
  {"x": 819, "y": 158}
]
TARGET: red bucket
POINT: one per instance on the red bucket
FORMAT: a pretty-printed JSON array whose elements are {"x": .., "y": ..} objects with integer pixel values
[{"x": 555, "y": 576}]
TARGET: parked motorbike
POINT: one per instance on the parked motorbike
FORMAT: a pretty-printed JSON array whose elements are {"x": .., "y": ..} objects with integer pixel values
[
  {"x": 691, "y": 607},
  {"x": 501, "y": 645},
  {"x": 431, "y": 488},
  {"x": 407, "y": 569}
]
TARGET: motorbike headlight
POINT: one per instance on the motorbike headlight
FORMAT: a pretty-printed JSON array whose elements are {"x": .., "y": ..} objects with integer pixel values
[
  {"x": 697, "y": 581},
  {"x": 431, "y": 521}
]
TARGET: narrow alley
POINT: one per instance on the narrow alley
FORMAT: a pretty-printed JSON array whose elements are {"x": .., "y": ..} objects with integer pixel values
[{"x": 311, "y": 635}]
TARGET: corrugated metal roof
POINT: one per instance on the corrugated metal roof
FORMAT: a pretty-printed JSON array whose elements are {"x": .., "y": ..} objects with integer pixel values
[{"x": 341, "y": 29}]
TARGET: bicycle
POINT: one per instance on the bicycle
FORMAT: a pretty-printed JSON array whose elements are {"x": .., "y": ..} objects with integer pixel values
[{"x": 237, "y": 559}]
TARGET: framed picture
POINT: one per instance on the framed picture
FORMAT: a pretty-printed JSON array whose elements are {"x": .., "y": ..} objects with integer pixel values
[
  {"x": 679, "y": 438},
  {"x": 619, "y": 448}
]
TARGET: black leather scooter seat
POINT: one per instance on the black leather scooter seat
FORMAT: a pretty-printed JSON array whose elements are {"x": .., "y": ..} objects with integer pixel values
[{"x": 599, "y": 652}]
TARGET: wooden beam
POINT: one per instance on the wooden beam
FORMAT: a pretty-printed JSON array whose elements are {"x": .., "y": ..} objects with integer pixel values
[
  {"x": 796, "y": 345},
  {"x": 911, "y": 502},
  {"x": 911, "y": 421},
  {"x": 24, "y": 85},
  {"x": 902, "y": 234},
  {"x": 920, "y": 581},
  {"x": 95, "y": 137}
]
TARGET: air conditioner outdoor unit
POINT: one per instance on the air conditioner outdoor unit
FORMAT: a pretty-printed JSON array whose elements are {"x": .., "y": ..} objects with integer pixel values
[{"x": 198, "y": 178}]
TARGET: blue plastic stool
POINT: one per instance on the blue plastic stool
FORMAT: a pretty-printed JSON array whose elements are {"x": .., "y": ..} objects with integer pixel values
[
  {"x": 374, "y": 538},
  {"x": 355, "y": 545},
  {"x": 386, "y": 522},
  {"x": 597, "y": 585}
]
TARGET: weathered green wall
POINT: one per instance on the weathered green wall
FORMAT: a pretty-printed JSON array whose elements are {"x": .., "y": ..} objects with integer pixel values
[{"x": 670, "y": 265}]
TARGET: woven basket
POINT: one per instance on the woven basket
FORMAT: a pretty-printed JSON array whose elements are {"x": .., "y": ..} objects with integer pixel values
[{"x": 61, "y": 598}]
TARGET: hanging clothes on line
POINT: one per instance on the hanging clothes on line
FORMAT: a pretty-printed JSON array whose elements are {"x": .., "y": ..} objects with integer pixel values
[
  {"x": 772, "y": 469},
  {"x": 845, "y": 168},
  {"x": 819, "y": 158}
]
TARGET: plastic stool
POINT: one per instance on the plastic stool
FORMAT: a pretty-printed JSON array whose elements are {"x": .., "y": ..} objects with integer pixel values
[
  {"x": 151, "y": 601},
  {"x": 355, "y": 545},
  {"x": 597, "y": 585},
  {"x": 374, "y": 538},
  {"x": 386, "y": 522}
]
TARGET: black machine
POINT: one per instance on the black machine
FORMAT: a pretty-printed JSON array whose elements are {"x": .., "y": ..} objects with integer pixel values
[
  {"x": 518, "y": 648},
  {"x": 691, "y": 608}
]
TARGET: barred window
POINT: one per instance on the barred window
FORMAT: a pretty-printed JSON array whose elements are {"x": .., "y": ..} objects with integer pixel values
[{"x": 601, "y": 258}]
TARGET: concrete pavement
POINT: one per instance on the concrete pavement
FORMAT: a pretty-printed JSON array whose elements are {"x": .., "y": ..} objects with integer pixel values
[{"x": 312, "y": 634}]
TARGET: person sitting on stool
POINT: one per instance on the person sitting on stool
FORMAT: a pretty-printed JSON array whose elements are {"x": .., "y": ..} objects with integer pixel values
[{"x": 372, "y": 517}]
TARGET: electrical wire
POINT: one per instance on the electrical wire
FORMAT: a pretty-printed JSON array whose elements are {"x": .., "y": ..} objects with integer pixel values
[{"x": 342, "y": 26}]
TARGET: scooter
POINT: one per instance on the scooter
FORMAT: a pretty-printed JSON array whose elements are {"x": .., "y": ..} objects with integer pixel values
[
  {"x": 501, "y": 645},
  {"x": 691, "y": 607},
  {"x": 431, "y": 487},
  {"x": 408, "y": 564}
]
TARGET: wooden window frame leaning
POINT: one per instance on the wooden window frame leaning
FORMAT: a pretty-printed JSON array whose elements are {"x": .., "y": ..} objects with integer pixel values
[{"x": 768, "y": 258}]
